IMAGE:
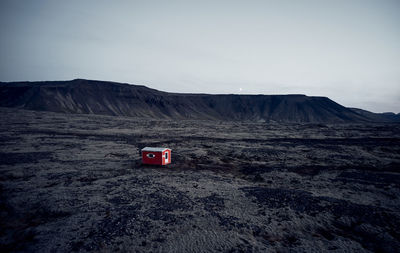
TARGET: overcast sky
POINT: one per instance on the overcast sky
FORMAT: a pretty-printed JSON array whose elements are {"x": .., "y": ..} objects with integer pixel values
[{"x": 346, "y": 50}]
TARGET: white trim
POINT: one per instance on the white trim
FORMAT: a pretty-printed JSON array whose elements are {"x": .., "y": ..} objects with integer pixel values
[{"x": 151, "y": 155}]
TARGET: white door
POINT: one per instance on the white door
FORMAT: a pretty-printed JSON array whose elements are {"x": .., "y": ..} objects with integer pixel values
[{"x": 166, "y": 156}]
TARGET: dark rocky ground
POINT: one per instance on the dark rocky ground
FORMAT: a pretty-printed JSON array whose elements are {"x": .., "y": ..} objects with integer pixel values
[{"x": 74, "y": 183}]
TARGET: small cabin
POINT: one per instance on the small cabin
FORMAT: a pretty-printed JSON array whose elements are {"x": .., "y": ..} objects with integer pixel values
[{"x": 156, "y": 156}]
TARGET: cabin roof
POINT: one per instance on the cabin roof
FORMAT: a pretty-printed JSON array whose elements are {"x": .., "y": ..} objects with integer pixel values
[{"x": 153, "y": 149}]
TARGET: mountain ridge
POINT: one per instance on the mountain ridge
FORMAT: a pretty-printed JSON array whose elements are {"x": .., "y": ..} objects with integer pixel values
[{"x": 123, "y": 99}]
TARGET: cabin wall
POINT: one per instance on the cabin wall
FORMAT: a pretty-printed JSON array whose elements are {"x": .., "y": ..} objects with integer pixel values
[{"x": 157, "y": 160}]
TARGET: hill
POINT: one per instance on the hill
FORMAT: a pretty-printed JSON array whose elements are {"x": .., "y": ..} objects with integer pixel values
[{"x": 110, "y": 98}]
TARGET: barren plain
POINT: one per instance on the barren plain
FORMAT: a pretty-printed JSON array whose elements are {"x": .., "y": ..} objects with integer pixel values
[{"x": 75, "y": 183}]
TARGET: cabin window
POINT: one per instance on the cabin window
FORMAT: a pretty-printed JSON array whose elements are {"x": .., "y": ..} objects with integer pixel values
[
  {"x": 166, "y": 155},
  {"x": 150, "y": 155}
]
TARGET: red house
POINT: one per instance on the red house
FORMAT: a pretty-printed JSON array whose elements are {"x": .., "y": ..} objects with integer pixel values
[{"x": 156, "y": 156}]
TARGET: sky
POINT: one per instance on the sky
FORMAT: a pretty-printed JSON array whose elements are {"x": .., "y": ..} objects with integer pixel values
[{"x": 346, "y": 50}]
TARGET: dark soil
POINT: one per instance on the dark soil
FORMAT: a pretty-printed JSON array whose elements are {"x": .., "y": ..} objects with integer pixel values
[{"x": 75, "y": 183}]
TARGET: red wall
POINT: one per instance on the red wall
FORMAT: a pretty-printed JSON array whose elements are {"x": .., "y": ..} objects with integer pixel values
[{"x": 158, "y": 159}]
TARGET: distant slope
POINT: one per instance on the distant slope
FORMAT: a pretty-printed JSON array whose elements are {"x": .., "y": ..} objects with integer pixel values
[
  {"x": 379, "y": 117},
  {"x": 108, "y": 98}
]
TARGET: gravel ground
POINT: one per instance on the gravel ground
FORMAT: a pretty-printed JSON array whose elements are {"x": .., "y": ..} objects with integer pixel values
[{"x": 75, "y": 183}]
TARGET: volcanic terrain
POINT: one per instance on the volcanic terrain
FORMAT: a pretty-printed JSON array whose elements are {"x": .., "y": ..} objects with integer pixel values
[
  {"x": 249, "y": 173},
  {"x": 75, "y": 183}
]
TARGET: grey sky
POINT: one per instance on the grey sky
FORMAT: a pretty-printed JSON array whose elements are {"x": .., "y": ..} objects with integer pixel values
[{"x": 346, "y": 50}]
